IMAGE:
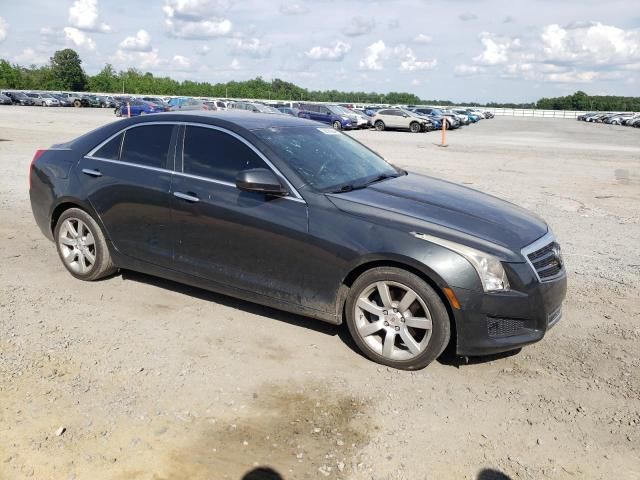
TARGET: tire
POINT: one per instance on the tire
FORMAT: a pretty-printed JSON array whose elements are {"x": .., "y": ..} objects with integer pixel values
[
  {"x": 76, "y": 250},
  {"x": 415, "y": 127},
  {"x": 77, "y": 103},
  {"x": 337, "y": 125},
  {"x": 379, "y": 125},
  {"x": 372, "y": 332}
]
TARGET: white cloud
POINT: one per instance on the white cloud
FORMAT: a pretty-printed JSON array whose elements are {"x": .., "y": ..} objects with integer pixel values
[
  {"x": 141, "y": 42},
  {"x": 422, "y": 38},
  {"x": 181, "y": 63},
  {"x": 594, "y": 44},
  {"x": 197, "y": 18},
  {"x": 579, "y": 53},
  {"x": 334, "y": 53},
  {"x": 374, "y": 56},
  {"x": 29, "y": 56},
  {"x": 78, "y": 38},
  {"x": 235, "y": 64},
  {"x": 142, "y": 60},
  {"x": 467, "y": 70},
  {"x": 203, "y": 50},
  {"x": 496, "y": 50},
  {"x": 83, "y": 15},
  {"x": 409, "y": 61},
  {"x": 252, "y": 47},
  {"x": 359, "y": 26},
  {"x": 293, "y": 8},
  {"x": 4, "y": 26}
]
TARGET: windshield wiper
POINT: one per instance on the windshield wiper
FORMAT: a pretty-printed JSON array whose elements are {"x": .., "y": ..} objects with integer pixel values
[{"x": 349, "y": 186}]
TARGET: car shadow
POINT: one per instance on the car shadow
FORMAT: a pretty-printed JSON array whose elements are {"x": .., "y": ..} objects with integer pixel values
[
  {"x": 249, "y": 307},
  {"x": 450, "y": 359},
  {"x": 447, "y": 358}
]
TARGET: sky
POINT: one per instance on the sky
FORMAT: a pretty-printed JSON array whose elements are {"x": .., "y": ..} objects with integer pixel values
[{"x": 462, "y": 50}]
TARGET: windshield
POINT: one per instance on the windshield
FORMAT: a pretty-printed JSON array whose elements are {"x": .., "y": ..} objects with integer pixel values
[
  {"x": 341, "y": 110},
  {"x": 325, "y": 159}
]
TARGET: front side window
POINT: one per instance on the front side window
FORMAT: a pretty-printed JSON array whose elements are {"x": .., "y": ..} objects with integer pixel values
[
  {"x": 217, "y": 155},
  {"x": 147, "y": 145},
  {"x": 325, "y": 159}
]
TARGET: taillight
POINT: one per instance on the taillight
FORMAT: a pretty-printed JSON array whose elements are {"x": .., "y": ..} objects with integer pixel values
[{"x": 36, "y": 156}]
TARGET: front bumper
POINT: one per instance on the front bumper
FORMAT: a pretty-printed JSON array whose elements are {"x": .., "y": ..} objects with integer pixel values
[{"x": 489, "y": 323}]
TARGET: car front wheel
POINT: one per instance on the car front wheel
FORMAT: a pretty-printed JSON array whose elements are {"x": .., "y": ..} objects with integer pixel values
[
  {"x": 337, "y": 125},
  {"x": 397, "y": 319},
  {"x": 379, "y": 125},
  {"x": 415, "y": 127},
  {"x": 82, "y": 246}
]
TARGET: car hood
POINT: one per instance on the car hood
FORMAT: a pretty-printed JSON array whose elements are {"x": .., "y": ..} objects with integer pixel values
[{"x": 441, "y": 208}]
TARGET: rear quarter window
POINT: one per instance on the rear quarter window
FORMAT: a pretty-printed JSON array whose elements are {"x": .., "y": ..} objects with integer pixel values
[{"x": 111, "y": 149}]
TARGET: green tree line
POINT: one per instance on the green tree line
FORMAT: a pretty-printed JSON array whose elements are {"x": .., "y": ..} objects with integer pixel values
[{"x": 64, "y": 72}]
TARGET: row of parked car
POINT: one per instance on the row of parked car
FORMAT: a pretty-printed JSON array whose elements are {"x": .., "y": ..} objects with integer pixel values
[
  {"x": 414, "y": 118},
  {"x": 340, "y": 116},
  {"x": 56, "y": 99},
  {"x": 626, "y": 119}
]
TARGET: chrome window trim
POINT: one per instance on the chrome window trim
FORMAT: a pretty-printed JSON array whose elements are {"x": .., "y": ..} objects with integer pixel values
[
  {"x": 129, "y": 164},
  {"x": 296, "y": 198},
  {"x": 248, "y": 144},
  {"x": 91, "y": 154},
  {"x": 537, "y": 245}
]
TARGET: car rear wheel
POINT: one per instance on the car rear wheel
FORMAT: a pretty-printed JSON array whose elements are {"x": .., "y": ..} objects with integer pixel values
[
  {"x": 379, "y": 125},
  {"x": 337, "y": 125},
  {"x": 82, "y": 247},
  {"x": 77, "y": 103},
  {"x": 415, "y": 127},
  {"x": 397, "y": 319}
]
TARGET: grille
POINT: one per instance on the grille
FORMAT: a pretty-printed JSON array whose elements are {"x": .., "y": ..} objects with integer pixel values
[
  {"x": 504, "y": 327},
  {"x": 546, "y": 261}
]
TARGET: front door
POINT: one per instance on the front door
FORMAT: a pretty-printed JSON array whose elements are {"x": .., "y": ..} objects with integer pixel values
[{"x": 246, "y": 240}]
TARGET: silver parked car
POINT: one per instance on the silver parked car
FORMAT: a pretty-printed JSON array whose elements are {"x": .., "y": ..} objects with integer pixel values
[{"x": 44, "y": 100}]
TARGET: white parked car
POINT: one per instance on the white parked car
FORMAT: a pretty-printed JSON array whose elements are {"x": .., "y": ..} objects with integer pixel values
[{"x": 396, "y": 118}]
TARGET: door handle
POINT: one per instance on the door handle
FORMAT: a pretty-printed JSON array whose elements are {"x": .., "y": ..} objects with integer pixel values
[
  {"x": 93, "y": 173},
  {"x": 186, "y": 196}
]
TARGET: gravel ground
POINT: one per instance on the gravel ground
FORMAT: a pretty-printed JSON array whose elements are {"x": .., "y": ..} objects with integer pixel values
[{"x": 140, "y": 378}]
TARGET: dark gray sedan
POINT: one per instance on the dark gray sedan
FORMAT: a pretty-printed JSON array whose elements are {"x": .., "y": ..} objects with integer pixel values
[{"x": 290, "y": 213}]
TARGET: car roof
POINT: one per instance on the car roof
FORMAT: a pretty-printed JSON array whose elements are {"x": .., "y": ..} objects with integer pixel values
[{"x": 232, "y": 118}]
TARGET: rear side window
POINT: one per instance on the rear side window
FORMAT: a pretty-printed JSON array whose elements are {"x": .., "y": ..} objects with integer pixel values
[
  {"x": 147, "y": 145},
  {"x": 111, "y": 149},
  {"x": 217, "y": 155}
]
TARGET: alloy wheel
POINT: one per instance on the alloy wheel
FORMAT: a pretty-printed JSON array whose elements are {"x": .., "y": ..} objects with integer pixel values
[
  {"x": 393, "y": 320},
  {"x": 77, "y": 245}
]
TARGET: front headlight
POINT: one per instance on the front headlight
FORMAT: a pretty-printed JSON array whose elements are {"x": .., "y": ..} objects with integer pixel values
[{"x": 489, "y": 268}]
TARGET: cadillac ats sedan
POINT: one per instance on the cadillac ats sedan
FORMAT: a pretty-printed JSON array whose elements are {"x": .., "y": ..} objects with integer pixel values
[{"x": 292, "y": 214}]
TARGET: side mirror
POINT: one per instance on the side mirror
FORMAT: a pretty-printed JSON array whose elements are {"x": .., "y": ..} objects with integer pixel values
[{"x": 260, "y": 180}]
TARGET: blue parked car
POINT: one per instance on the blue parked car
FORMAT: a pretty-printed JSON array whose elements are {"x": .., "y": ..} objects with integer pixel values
[
  {"x": 139, "y": 107},
  {"x": 330, "y": 114},
  {"x": 176, "y": 103}
]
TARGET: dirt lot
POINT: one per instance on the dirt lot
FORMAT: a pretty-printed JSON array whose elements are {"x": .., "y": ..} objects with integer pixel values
[{"x": 153, "y": 380}]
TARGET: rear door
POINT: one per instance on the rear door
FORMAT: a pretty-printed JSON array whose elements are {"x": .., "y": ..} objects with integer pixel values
[
  {"x": 127, "y": 181},
  {"x": 246, "y": 240}
]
